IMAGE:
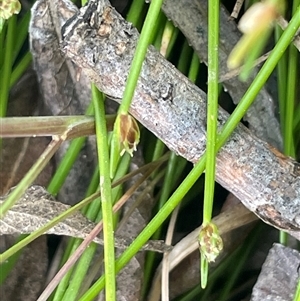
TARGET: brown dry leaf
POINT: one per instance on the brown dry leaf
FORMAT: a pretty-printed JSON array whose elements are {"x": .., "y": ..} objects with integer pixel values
[{"x": 37, "y": 207}]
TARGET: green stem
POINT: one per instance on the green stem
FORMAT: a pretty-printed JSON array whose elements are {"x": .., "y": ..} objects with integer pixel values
[
  {"x": 188, "y": 182},
  {"x": 106, "y": 195},
  {"x": 291, "y": 88},
  {"x": 9, "y": 263},
  {"x": 212, "y": 107},
  {"x": 7, "y": 66},
  {"x": 281, "y": 81},
  {"x": 194, "y": 68},
  {"x": 135, "y": 12},
  {"x": 212, "y": 115},
  {"x": 79, "y": 273},
  {"x": 261, "y": 78},
  {"x": 20, "y": 68},
  {"x": 22, "y": 30},
  {"x": 297, "y": 293},
  {"x": 139, "y": 55},
  {"x": 69, "y": 285},
  {"x": 64, "y": 283}
]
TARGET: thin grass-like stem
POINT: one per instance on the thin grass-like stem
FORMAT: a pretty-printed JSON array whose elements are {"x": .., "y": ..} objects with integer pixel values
[
  {"x": 192, "y": 177},
  {"x": 106, "y": 195}
]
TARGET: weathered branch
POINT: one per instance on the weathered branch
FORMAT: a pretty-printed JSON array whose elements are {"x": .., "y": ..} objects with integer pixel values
[
  {"x": 191, "y": 16},
  {"x": 102, "y": 43}
]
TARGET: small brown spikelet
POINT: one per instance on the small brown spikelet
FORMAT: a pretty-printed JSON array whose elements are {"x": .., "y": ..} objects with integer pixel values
[
  {"x": 210, "y": 242},
  {"x": 129, "y": 133}
]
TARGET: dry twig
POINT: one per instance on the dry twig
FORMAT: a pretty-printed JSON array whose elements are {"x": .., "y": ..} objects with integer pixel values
[{"x": 175, "y": 110}]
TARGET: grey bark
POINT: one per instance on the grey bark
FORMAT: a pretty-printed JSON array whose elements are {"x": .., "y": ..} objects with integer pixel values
[
  {"x": 102, "y": 43},
  {"x": 279, "y": 275},
  {"x": 64, "y": 91},
  {"x": 191, "y": 16}
]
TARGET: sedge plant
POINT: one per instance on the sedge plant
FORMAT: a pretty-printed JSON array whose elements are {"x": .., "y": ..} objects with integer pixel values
[{"x": 108, "y": 165}]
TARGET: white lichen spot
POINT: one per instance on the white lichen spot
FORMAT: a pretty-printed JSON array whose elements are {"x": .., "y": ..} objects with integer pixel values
[
  {"x": 104, "y": 30},
  {"x": 120, "y": 48}
]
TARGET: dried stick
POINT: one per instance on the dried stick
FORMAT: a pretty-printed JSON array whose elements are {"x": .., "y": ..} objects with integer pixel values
[
  {"x": 191, "y": 18},
  {"x": 41, "y": 126},
  {"x": 237, "y": 7},
  {"x": 102, "y": 43}
]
